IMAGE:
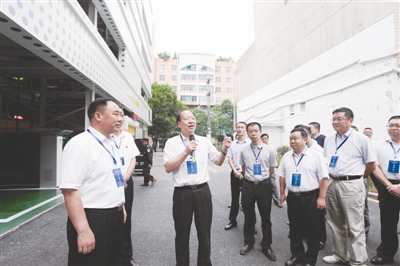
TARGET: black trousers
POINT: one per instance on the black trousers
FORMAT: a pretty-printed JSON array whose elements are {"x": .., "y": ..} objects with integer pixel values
[
  {"x": 236, "y": 184},
  {"x": 147, "y": 177},
  {"x": 127, "y": 242},
  {"x": 389, "y": 207},
  {"x": 262, "y": 194},
  {"x": 303, "y": 215},
  {"x": 322, "y": 226},
  {"x": 107, "y": 227},
  {"x": 186, "y": 202}
]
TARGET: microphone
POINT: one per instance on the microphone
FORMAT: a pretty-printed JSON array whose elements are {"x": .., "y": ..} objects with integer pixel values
[{"x": 193, "y": 154}]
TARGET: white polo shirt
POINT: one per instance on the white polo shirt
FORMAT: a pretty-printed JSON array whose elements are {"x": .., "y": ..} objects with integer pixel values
[
  {"x": 315, "y": 146},
  {"x": 384, "y": 153},
  {"x": 266, "y": 157},
  {"x": 88, "y": 167},
  {"x": 234, "y": 151},
  {"x": 353, "y": 155},
  {"x": 205, "y": 151},
  {"x": 127, "y": 148},
  {"x": 312, "y": 168}
]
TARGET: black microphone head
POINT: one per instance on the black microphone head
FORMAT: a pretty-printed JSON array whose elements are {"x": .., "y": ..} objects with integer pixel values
[{"x": 191, "y": 137}]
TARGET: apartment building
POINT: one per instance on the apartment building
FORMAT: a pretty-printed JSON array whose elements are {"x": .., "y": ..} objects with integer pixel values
[
  {"x": 193, "y": 75},
  {"x": 56, "y": 58}
]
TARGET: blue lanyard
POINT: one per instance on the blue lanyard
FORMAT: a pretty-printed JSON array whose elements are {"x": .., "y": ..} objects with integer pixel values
[
  {"x": 120, "y": 140},
  {"x": 184, "y": 143},
  {"x": 311, "y": 143},
  {"x": 251, "y": 145},
  {"x": 341, "y": 144},
  {"x": 301, "y": 158},
  {"x": 101, "y": 143},
  {"x": 395, "y": 152}
]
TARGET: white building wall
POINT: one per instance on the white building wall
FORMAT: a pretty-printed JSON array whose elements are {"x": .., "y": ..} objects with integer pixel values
[{"x": 360, "y": 73}]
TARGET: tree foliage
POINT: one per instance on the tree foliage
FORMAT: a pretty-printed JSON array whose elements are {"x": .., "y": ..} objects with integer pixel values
[
  {"x": 225, "y": 59},
  {"x": 175, "y": 56},
  {"x": 165, "y": 107},
  {"x": 201, "y": 121},
  {"x": 222, "y": 118},
  {"x": 164, "y": 55}
]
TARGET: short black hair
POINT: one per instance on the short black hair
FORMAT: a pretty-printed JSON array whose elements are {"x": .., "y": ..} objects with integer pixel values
[
  {"x": 178, "y": 117},
  {"x": 241, "y": 122},
  {"x": 354, "y": 127},
  {"x": 303, "y": 133},
  {"x": 316, "y": 125},
  {"x": 394, "y": 117},
  {"x": 306, "y": 128},
  {"x": 97, "y": 105},
  {"x": 367, "y": 128},
  {"x": 264, "y": 134},
  {"x": 145, "y": 139},
  {"x": 347, "y": 112},
  {"x": 253, "y": 124}
]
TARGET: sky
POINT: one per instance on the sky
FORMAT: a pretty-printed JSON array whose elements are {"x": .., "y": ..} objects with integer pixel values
[{"x": 219, "y": 27}]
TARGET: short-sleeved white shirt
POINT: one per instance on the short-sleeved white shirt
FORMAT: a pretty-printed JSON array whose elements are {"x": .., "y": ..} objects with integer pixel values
[
  {"x": 205, "y": 151},
  {"x": 353, "y": 155},
  {"x": 234, "y": 151},
  {"x": 384, "y": 153},
  {"x": 88, "y": 167},
  {"x": 266, "y": 158},
  {"x": 127, "y": 148},
  {"x": 312, "y": 168},
  {"x": 315, "y": 146}
]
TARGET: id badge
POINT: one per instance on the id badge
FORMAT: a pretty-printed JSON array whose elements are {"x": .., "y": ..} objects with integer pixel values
[
  {"x": 393, "y": 166},
  {"x": 191, "y": 167},
  {"x": 118, "y": 177},
  {"x": 296, "y": 179},
  {"x": 333, "y": 161},
  {"x": 122, "y": 160},
  {"x": 257, "y": 169}
]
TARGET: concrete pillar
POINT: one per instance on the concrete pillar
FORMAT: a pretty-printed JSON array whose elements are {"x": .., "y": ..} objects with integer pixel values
[
  {"x": 88, "y": 99},
  {"x": 42, "y": 101}
]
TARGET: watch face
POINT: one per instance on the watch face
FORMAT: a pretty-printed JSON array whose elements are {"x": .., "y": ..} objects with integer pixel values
[{"x": 148, "y": 149}]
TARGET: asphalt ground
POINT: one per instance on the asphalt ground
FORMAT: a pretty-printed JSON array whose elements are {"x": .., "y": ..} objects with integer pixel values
[{"x": 42, "y": 241}]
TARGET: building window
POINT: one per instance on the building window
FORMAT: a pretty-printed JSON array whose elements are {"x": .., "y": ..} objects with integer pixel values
[
  {"x": 206, "y": 77},
  {"x": 174, "y": 88},
  {"x": 218, "y": 69},
  {"x": 189, "y": 68},
  {"x": 188, "y": 87},
  {"x": 188, "y": 77},
  {"x": 188, "y": 98},
  {"x": 161, "y": 77},
  {"x": 204, "y": 68},
  {"x": 228, "y": 80},
  {"x": 174, "y": 67},
  {"x": 174, "y": 78},
  {"x": 228, "y": 70},
  {"x": 302, "y": 107},
  {"x": 218, "y": 99},
  {"x": 161, "y": 67},
  {"x": 217, "y": 79},
  {"x": 206, "y": 88},
  {"x": 229, "y": 90},
  {"x": 218, "y": 89}
]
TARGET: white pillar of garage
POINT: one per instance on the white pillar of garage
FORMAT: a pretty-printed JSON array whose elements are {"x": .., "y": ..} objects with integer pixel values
[{"x": 88, "y": 99}]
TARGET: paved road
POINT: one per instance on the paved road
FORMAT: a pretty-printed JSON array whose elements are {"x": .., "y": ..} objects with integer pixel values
[{"x": 43, "y": 240}]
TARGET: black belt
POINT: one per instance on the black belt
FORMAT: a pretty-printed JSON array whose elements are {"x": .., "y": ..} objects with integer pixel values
[
  {"x": 395, "y": 182},
  {"x": 193, "y": 187},
  {"x": 257, "y": 182},
  {"x": 115, "y": 209},
  {"x": 345, "y": 177},
  {"x": 301, "y": 194}
]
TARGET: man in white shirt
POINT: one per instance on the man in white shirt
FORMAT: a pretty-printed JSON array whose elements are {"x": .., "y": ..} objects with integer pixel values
[
  {"x": 351, "y": 159},
  {"x": 386, "y": 178},
  {"x": 90, "y": 171},
  {"x": 304, "y": 173},
  {"x": 123, "y": 141},
  {"x": 187, "y": 156}
]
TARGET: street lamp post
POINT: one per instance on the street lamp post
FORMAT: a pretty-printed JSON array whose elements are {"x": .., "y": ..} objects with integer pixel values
[{"x": 208, "y": 110}]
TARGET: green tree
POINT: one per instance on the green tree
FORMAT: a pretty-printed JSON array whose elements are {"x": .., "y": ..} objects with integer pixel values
[
  {"x": 225, "y": 59},
  {"x": 165, "y": 107},
  {"x": 222, "y": 118},
  {"x": 175, "y": 57},
  {"x": 164, "y": 55},
  {"x": 201, "y": 121}
]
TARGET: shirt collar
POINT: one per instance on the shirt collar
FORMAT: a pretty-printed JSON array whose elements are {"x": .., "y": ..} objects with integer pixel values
[
  {"x": 346, "y": 134},
  {"x": 244, "y": 141},
  {"x": 100, "y": 136},
  {"x": 303, "y": 152}
]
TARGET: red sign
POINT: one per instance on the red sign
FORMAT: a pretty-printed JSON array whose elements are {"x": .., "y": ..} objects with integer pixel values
[
  {"x": 18, "y": 117},
  {"x": 135, "y": 117}
]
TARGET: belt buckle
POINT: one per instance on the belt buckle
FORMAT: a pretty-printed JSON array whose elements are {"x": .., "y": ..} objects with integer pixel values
[
  {"x": 120, "y": 207},
  {"x": 194, "y": 187},
  {"x": 256, "y": 183}
]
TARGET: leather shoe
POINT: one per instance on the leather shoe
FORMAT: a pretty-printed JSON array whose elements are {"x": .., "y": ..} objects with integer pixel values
[
  {"x": 154, "y": 181},
  {"x": 293, "y": 261},
  {"x": 245, "y": 249},
  {"x": 144, "y": 185},
  {"x": 380, "y": 261},
  {"x": 231, "y": 225},
  {"x": 321, "y": 245},
  {"x": 269, "y": 253},
  {"x": 308, "y": 264},
  {"x": 133, "y": 263}
]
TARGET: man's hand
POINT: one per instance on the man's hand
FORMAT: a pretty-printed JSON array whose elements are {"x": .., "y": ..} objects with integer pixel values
[
  {"x": 321, "y": 204},
  {"x": 394, "y": 190},
  {"x": 125, "y": 215},
  {"x": 86, "y": 241},
  {"x": 149, "y": 166},
  {"x": 282, "y": 198},
  {"x": 238, "y": 175}
]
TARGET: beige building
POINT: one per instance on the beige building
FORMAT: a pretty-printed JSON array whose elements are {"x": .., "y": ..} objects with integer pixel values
[
  {"x": 309, "y": 58},
  {"x": 189, "y": 74}
]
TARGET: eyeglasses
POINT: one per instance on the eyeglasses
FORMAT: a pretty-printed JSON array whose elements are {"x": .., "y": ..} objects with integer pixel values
[
  {"x": 396, "y": 126},
  {"x": 339, "y": 119},
  {"x": 186, "y": 119}
]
